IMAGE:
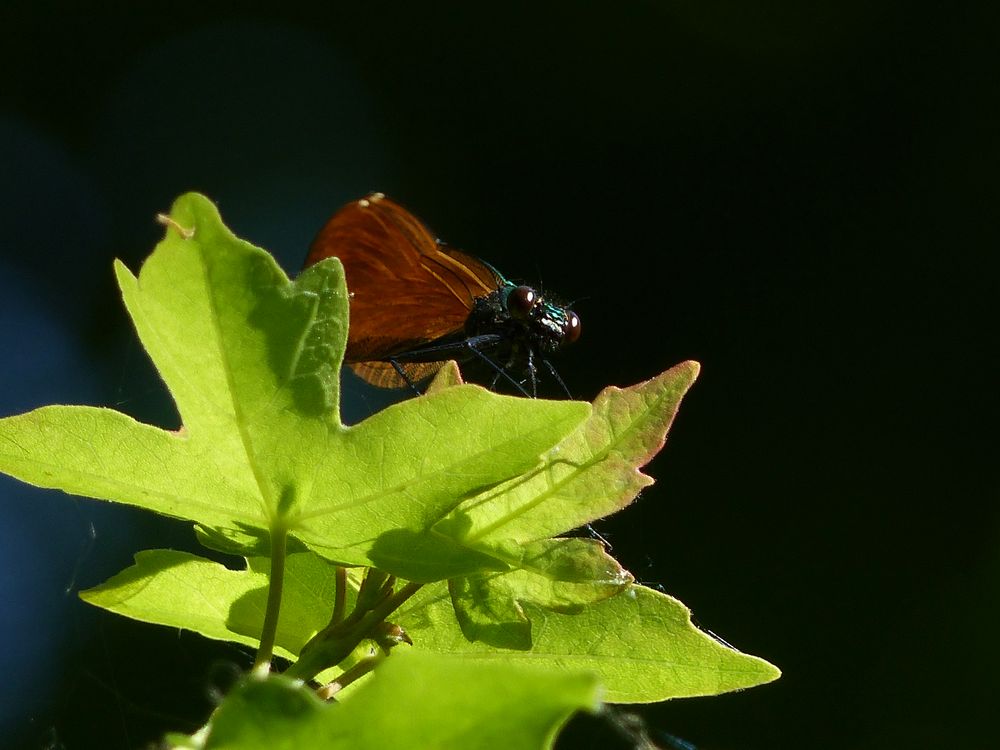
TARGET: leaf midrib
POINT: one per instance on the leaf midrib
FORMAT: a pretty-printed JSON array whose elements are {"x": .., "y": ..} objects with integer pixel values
[
  {"x": 239, "y": 417},
  {"x": 576, "y": 472}
]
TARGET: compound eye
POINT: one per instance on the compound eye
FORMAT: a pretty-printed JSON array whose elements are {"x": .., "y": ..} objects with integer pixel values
[
  {"x": 520, "y": 301},
  {"x": 571, "y": 330}
]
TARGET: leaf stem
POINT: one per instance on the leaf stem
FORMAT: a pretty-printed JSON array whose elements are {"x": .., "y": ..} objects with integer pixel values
[
  {"x": 356, "y": 672},
  {"x": 275, "y": 583},
  {"x": 335, "y": 642}
]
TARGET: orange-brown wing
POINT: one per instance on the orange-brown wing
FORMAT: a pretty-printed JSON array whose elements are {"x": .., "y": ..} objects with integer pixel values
[
  {"x": 406, "y": 289},
  {"x": 384, "y": 375}
]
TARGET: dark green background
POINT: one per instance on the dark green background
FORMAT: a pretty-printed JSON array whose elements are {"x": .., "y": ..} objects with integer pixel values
[{"x": 800, "y": 196}]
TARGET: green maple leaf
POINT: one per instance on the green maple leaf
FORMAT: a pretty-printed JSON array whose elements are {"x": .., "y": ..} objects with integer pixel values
[
  {"x": 182, "y": 590},
  {"x": 412, "y": 701},
  {"x": 641, "y": 643},
  {"x": 460, "y": 484},
  {"x": 252, "y": 361},
  {"x": 591, "y": 473}
]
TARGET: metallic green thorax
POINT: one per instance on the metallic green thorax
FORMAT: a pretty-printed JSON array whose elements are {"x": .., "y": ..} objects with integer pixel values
[{"x": 542, "y": 330}]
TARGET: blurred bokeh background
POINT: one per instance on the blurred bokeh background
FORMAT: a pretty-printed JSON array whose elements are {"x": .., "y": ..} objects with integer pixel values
[{"x": 800, "y": 196}]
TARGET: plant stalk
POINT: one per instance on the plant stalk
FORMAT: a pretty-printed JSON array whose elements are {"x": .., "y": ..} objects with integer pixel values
[
  {"x": 334, "y": 644},
  {"x": 279, "y": 549}
]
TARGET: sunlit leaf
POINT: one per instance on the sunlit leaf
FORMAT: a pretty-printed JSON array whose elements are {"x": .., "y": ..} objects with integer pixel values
[
  {"x": 594, "y": 472},
  {"x": 412, "y": 702},
  {"x": 641, "y": 644},
  {"x": 252, "y": 361},
  {"x": 181, "y": 590}
]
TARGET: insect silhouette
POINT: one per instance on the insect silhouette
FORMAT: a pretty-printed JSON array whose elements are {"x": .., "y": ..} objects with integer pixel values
[{"x": 417, "y": 303}]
